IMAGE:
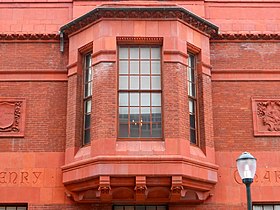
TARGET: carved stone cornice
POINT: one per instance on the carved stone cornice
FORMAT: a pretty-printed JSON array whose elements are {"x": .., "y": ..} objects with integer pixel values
[
  {"x": 140, "y": 12},
  {"x": 242, "y": 37},
  {"x": 10, "y": 37}
]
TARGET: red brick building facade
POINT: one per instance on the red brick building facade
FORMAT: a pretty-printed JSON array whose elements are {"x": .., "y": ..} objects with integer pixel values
[{"x": 140, "y": 105}]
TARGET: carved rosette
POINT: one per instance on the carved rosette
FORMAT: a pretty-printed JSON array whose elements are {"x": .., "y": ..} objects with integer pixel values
[
  {"x": 266, "y": 116},
  {"x": 12, "y": 116}
]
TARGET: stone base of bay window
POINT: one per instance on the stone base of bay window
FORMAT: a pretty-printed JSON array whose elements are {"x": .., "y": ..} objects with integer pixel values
[{"x": 135, "y": 179}]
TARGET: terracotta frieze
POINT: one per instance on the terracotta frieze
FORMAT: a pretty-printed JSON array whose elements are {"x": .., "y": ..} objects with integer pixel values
[
  {"x": 266, "y": 116},
  {"x": 242, "y": 37},
  {"x": 12, "y": 117},
  {"x": 32, "y": 37}
]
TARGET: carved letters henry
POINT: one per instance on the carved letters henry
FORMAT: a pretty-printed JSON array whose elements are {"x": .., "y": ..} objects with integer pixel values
[
  {"x": 266, "y": 116},
  {"x": 12, "y": 116}
]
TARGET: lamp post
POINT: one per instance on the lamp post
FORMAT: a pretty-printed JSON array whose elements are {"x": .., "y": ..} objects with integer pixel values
[{"x": 246, "y": 166}]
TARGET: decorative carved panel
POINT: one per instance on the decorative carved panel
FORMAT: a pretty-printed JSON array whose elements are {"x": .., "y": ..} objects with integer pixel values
[
  {"x": 266, "y": 116},
  {"x": 12, "y": 117}
]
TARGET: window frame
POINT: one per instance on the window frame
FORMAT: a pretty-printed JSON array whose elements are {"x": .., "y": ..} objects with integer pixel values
[
  {"x": 132, "y": 44},
  {"x": 85, "y": 98},
  {"x": 195, "y": 52},
  {"x": 262, "y": 205},
  {"x": 13, "y": 205}
]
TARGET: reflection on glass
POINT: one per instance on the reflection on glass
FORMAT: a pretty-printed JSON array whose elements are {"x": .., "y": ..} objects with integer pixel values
[
  {"x": 145, "y": 83},
  {"x": 156, "y": 130},
  {"x": 87, "y": 136},
  {"x": 191, "y": 106},
  {"x": 156, "y": 114},
  {"x": 123, "y": 114},
  {"x": 88, "y": 89},
  {"x": 123, "y": 53},
  {"x": 134, "y": 114},
  {"x": 87, "y": 121},
  {"x": 193, "y": 136},
  {"x": 145, "y": 114},
  {"x": 88, "y": 106},
  {"x": 123, "y": 130},
  {"x": 140, "y": 208},
  {"x": 145, "y": 130},
  {"x": 134, "y": 129}
]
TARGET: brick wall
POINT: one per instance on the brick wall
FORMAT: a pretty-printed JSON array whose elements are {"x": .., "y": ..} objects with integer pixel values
[{"x": 45, "y": 122}]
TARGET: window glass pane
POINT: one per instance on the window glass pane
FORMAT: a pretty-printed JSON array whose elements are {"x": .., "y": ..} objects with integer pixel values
[
  {"x": 134, "y": 52},
  {"x": 156, "y": 114},
  {"x": 123, "y": 130},
  {"x": 134, "y": 83},
  {"x": 123, "y": 83},
  {"x": 191, "y": 74},
  {"x": 134, "y": 67},
  {"x": 156, "y": 130},
  {"x": 277, "y": 207},
  {"x": 145, "y": 53},
  {"x": 191, "y": 106},
  {"x": 118, "y": 208},
  {"x": 192, "y": 121},
  {"x": 161, "y": 208},
  {"x": 268, "y": 207},
  {"x": 11, "y": 208},
  {"x": 2, "y": 208},
  {"x": 21, "y": 208},
  {"x": 88, "y": 89},
  {"x": 151, "y": 208},
  {"x": 155, "y": 53},
  {"x": 140, "y": 208},
  {"x": 134, "y": 130},
  {"x": 123, "y": 67},
  {"x": 193, "y": 136},
  {"x": 257, "y": 208},
  {"x": 145, "y": 130},
  {"x": 88, "y": 75},
  {"x": 145, "y": 83},
  {"x": 134, "y": 114},
  {"x": 123, "y": 53},
  {"x": 123, "y": 99},
  {"x": 123, "y": 114},
  {"x": 87, "y": 121},
  {"x": 134, "y": 99},
  {"x": 155, "y": 67},
  {"x": 156, "y": 83},
  {"x": 145, "y": 99},
  {"x": 156, "y": 99},
  {"x": 129, "y": 208},
  {"x": 145, "y": 67},
  {"x": 88, "y": 60},
  {"x": 145, "y": 114},
  {"x": 87, "y": 136},
  {"x": 88, "y": 106}
]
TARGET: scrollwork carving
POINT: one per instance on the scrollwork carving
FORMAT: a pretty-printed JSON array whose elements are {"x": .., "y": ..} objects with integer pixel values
[{"x": 269, "y": 112}]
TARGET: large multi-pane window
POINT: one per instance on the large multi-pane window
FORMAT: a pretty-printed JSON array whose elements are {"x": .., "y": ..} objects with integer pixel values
[
  {"x": 266, "y": 207},
  {"x": 13, "y": 207},
  {"x": 140, "y": 92},
  {"x": 87, "y": 95},
  {"x": 140, "y": 207},
  {"x": 192, "y": 95}
]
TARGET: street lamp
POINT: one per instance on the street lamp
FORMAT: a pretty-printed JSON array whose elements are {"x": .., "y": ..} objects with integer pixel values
[{"x": 246, "y": 166}]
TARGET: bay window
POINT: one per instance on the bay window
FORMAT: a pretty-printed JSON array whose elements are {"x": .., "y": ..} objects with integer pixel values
[{"x": 139, "y": 92}]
